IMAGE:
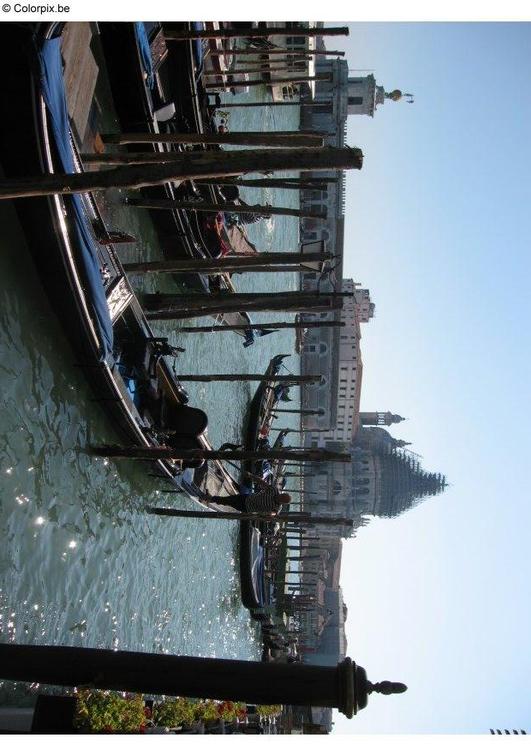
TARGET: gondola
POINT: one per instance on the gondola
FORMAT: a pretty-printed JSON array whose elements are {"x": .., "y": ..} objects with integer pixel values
[
  {"x": 255, "y": 592},
  {"x": 102, "y": 318},
  {"x": 140, "y": 95}
]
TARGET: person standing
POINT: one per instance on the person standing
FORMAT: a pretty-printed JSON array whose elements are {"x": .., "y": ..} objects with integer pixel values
[{"x": 267, "y": 501}]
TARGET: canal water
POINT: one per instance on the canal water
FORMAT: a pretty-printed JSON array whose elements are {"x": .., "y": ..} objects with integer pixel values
[{"x": 80, "y": 562}]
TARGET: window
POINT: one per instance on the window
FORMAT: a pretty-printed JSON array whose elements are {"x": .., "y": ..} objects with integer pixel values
[
  {"x": 355, "y": 100},
  {"x": 325, "y": 109}
]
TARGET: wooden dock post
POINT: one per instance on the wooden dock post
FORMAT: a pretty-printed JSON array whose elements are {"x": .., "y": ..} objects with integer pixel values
[
  {"x": 287, "y": 183},
  {"x": 271, "y": 82},
  {"x": 293, "y": 103},
  {"x": 292, "y": 139},
  {"x": 155, "y": 453},
  {"x": 251, "y": 377},
  {"x": 260, "y": 327},
  {"x": 274, "y": 67},
  {"x": 231, "y": 263},
  {"x": 235, "y": 208},
  {"x": 194, "y": 164},
  {"x": 236, "y": 52},
  {"x": 173, "y": 307},
  {"x": 295, "y": 517},
  {"x": 308, "y": 412},
  {"x": 254, "y": 33}
]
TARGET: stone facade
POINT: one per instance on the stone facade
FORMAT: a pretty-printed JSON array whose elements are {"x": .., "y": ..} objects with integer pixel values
[{"x": 332, "y": 102}]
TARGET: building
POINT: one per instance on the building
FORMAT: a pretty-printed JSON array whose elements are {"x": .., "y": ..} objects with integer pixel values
[
  {"x": 383, "y": 479},
  {"x": 340, "y": 422},
  {"x": 387, "y": 479},
  {"x": 280, "y": 72},
  {"x": 326, "y": 111}
]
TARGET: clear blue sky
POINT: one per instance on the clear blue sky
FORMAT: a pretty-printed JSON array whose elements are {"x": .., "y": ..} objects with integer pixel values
[{"x": 438, "y": 229}]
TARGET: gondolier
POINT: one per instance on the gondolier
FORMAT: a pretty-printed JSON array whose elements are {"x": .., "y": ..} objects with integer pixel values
[{"x": 266, "y": 501}]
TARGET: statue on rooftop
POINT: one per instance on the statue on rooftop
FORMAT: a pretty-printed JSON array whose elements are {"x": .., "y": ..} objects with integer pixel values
[{"x": 396, "y": 95}]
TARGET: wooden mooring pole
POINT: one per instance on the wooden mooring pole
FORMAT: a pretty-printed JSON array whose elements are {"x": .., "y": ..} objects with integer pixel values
[
  {"x": 285, "y": 139},
  {"x": 271, "y": 82},
  {"x": 319, "y": 412},
  {"x": 246, "y": 300},
  {"x": 229, "y": 263},
  {"x": 251, "y": 377},
  {"x": 236, "y": 52},
  {"x": 160, "y": 308},
  {"x": 237, "y": 516},
  {"x": 305, "y": 429},
  {"x": 157, "y": 452},
  {"x": 285, "y": 183},
  {"x": 252, "y": 32},
  {"x": 235, "y": 208},
  {"x": 261, "y": 327},
  {"x": 272, "y": 67},
  {"x": 250, "y": 105},
  {"x": 192, "y": 165}
]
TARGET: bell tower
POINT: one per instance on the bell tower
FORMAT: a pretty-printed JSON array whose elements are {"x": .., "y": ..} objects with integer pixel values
[{"x": 379, "y": 418}]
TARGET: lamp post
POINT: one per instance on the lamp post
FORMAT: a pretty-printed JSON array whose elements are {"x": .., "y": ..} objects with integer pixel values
[{"x": 344, "y": 687}]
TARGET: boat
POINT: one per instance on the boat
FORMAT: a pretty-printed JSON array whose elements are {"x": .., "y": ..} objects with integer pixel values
[
  {"x": 155, "y": 90},
  {"x": 257, "y": 593},
  {"x": 126, "y": 364}
]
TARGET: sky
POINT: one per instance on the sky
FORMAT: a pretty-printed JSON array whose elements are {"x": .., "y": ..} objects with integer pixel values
[{"x": 437, "y": 229}]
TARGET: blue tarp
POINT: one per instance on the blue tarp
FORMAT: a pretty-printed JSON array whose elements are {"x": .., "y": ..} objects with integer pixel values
[
  {"x": 145, "y": 53},
  {"x": 53, "y": 91}
]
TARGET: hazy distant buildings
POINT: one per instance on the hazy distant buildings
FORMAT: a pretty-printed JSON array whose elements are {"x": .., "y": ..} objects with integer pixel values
[
  {"x": 388, "y": 479},
  {"x": 383, "y": 479}
]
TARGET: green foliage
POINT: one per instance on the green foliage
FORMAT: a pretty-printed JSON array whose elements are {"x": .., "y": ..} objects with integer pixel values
[
  {"x": 206, "y": 710},
  {"x": 174, "y": 713},
  {"x": 106, "y": 711}
]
